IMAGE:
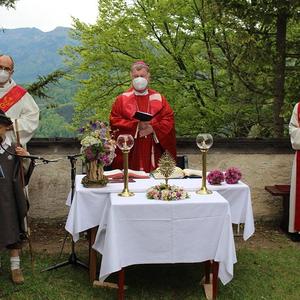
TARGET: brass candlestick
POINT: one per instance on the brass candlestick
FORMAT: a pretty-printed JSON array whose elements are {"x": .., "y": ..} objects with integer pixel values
[
  {"x": 125, "y": 192},
  {"x": 204, "y": 190},
  {"x": 204, "y": 142},
  {"x": 125, "y": 143}
]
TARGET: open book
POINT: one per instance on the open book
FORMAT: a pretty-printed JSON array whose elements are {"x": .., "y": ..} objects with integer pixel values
[
  {"x": 118, "y": 174},
  {"x": 179, "y": 173},
  {"x": 142, "y": 116}
]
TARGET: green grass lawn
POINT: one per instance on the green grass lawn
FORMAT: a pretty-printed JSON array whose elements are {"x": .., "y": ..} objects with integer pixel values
[{"x": 272, "y": 273}]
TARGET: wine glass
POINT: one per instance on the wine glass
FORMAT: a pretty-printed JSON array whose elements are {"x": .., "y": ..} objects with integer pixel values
[
  {"x": 204, "y": 141},
  {"x": 125, "y": 141}
]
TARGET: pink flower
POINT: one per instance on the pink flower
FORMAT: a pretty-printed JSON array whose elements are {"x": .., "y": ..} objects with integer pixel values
[
  {"x": 97, "y": 143},
  {"x": 166, "y": 192},
  {"x": 232, "y": 175},
  {"x": 104, "y": 159},
  {"x": 90, "y": 154},
  {"x": 215, "y": 177}
]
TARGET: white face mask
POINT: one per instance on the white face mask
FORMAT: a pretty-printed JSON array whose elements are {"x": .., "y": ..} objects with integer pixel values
[
  {"x": 4, "y": 76},
  {"x": 140, "y": 83}
]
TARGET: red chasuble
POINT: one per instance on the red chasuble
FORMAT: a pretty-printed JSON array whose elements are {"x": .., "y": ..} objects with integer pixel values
[
  {"x": 146, "y": 151},
  {"x": 12, "y": 97},
  {"x": 297, "y": 200}
]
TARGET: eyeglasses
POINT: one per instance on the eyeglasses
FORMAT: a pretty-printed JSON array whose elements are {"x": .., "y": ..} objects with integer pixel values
[{"x": 5, "y": 68}]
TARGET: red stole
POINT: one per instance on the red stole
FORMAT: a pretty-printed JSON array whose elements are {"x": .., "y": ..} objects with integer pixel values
[
  {"x": 141, "y": 154},
  {"x": 297, "y": 200},
  {"x": 12, "y": 97}
]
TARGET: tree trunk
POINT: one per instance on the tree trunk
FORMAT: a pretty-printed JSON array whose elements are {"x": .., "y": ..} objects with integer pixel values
[{"x": 279, "y": 70}]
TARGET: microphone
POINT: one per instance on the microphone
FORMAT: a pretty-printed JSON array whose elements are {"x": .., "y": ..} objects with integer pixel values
[{"x": 44, "y": 160}]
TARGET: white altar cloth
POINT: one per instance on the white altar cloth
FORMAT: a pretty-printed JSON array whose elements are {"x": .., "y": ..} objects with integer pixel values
[
  {"x": 89, "y": 204},
  {"x": 136, "y": 230}
]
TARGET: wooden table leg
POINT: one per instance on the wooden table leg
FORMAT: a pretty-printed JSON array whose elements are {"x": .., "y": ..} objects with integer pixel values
[
  {"x": 210, "y": 280},
  {"x": 215, "y": 270},
  {"x": 121, "y": 294},
  {"x": 92, "y": 254},
  {"x": 207, "y": 268}
]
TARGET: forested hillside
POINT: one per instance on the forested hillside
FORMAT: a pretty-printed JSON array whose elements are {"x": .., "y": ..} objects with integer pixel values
[
  {"x": 36, "y": 53},
  {"x": 230, "y": 68}
]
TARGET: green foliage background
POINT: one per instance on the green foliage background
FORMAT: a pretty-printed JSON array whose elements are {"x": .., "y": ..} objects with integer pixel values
[
  {"x": 213, "y": 60},
  {"x": 216, "y": 61},
  {"x": 56, "y": 110}
]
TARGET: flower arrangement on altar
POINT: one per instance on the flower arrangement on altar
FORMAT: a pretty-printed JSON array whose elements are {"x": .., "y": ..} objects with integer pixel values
[
  {"x": 232, "y": 175},
  {"x": 215, "y": 177},
  {"x": 166, "y": 192},
  {"x": 98, "y": 150}
]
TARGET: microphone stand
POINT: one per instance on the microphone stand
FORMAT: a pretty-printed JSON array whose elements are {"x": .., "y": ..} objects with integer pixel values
[{"x": 72, "y": 260}]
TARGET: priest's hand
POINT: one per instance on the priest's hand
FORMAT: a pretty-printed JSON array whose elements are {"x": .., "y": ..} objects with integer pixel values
[
  {"x": 143, "y": 125},
  {"x": 148, "y": 130},
  {"x": 21, "y": 151}
]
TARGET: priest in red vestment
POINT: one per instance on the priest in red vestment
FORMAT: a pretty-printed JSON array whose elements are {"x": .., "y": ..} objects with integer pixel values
[
  {"x": 294, "y": 212},
  {"x": 151, "y": 138}
]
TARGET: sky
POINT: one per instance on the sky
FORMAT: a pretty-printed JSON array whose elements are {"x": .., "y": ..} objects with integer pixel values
[{"x": 48, "y": 14}]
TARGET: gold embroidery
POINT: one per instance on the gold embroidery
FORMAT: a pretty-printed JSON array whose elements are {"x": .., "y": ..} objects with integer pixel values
[
  {"x": 11, "y": 98},
  {"x": 155, "y": 97}
]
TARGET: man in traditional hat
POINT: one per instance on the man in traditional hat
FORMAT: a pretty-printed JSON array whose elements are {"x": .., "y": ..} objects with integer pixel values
[
  {"x": 13, "y": 203},
  {"x": 17, "y": 103},
  {"x": 147, "y": 116}
]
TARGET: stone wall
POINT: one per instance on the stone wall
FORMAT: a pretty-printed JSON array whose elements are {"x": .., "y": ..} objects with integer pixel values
[
  {"x": 258, "y": 170},
  {"x": 261, "y": 164}
]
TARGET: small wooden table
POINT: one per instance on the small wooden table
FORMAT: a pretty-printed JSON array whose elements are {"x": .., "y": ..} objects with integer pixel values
[
  {"x": 284, "y": 192},
  {"x": 169, "y": 214},
  {"x": 210, "y": 281}
]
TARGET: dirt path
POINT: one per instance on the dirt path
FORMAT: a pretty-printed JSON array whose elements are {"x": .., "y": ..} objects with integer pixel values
[{"x": 48, "y": 238}]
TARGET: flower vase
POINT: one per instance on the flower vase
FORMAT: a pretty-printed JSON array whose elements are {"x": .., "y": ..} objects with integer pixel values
[{"x": 95, "y": 175}]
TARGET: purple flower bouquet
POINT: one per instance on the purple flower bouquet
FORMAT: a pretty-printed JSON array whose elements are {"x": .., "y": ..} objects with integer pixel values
[
  {"x": 215, "y": 177},
  {"x": 98, "y": 150},
  {"x": 232, "y": 175}
]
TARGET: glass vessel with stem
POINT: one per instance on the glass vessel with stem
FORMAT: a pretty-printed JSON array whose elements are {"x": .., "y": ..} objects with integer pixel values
[
  {"x": 204, "y": 142},
  {"x": 125, "y": 142}
]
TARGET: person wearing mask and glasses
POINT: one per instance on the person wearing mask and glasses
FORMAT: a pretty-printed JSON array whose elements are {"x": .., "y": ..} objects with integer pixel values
[
  {"x": 17, "y": 104},
  {"x": 147, "y": 116}
]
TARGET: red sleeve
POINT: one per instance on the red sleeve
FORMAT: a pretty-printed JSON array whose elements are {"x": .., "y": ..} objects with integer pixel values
[
  {"x": 118, "y": 120},
  {"x": 164, "y": 127}
]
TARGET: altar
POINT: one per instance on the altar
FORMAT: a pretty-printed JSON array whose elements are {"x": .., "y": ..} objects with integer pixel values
[
  {"x": 91, "y": 207},
  {"x": 89, "y": 204},
  {"x": 136, "y": 230}
]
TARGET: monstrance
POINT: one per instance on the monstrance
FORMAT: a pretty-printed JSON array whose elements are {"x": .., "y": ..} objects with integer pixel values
[{"x": 166, "y": 165}]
